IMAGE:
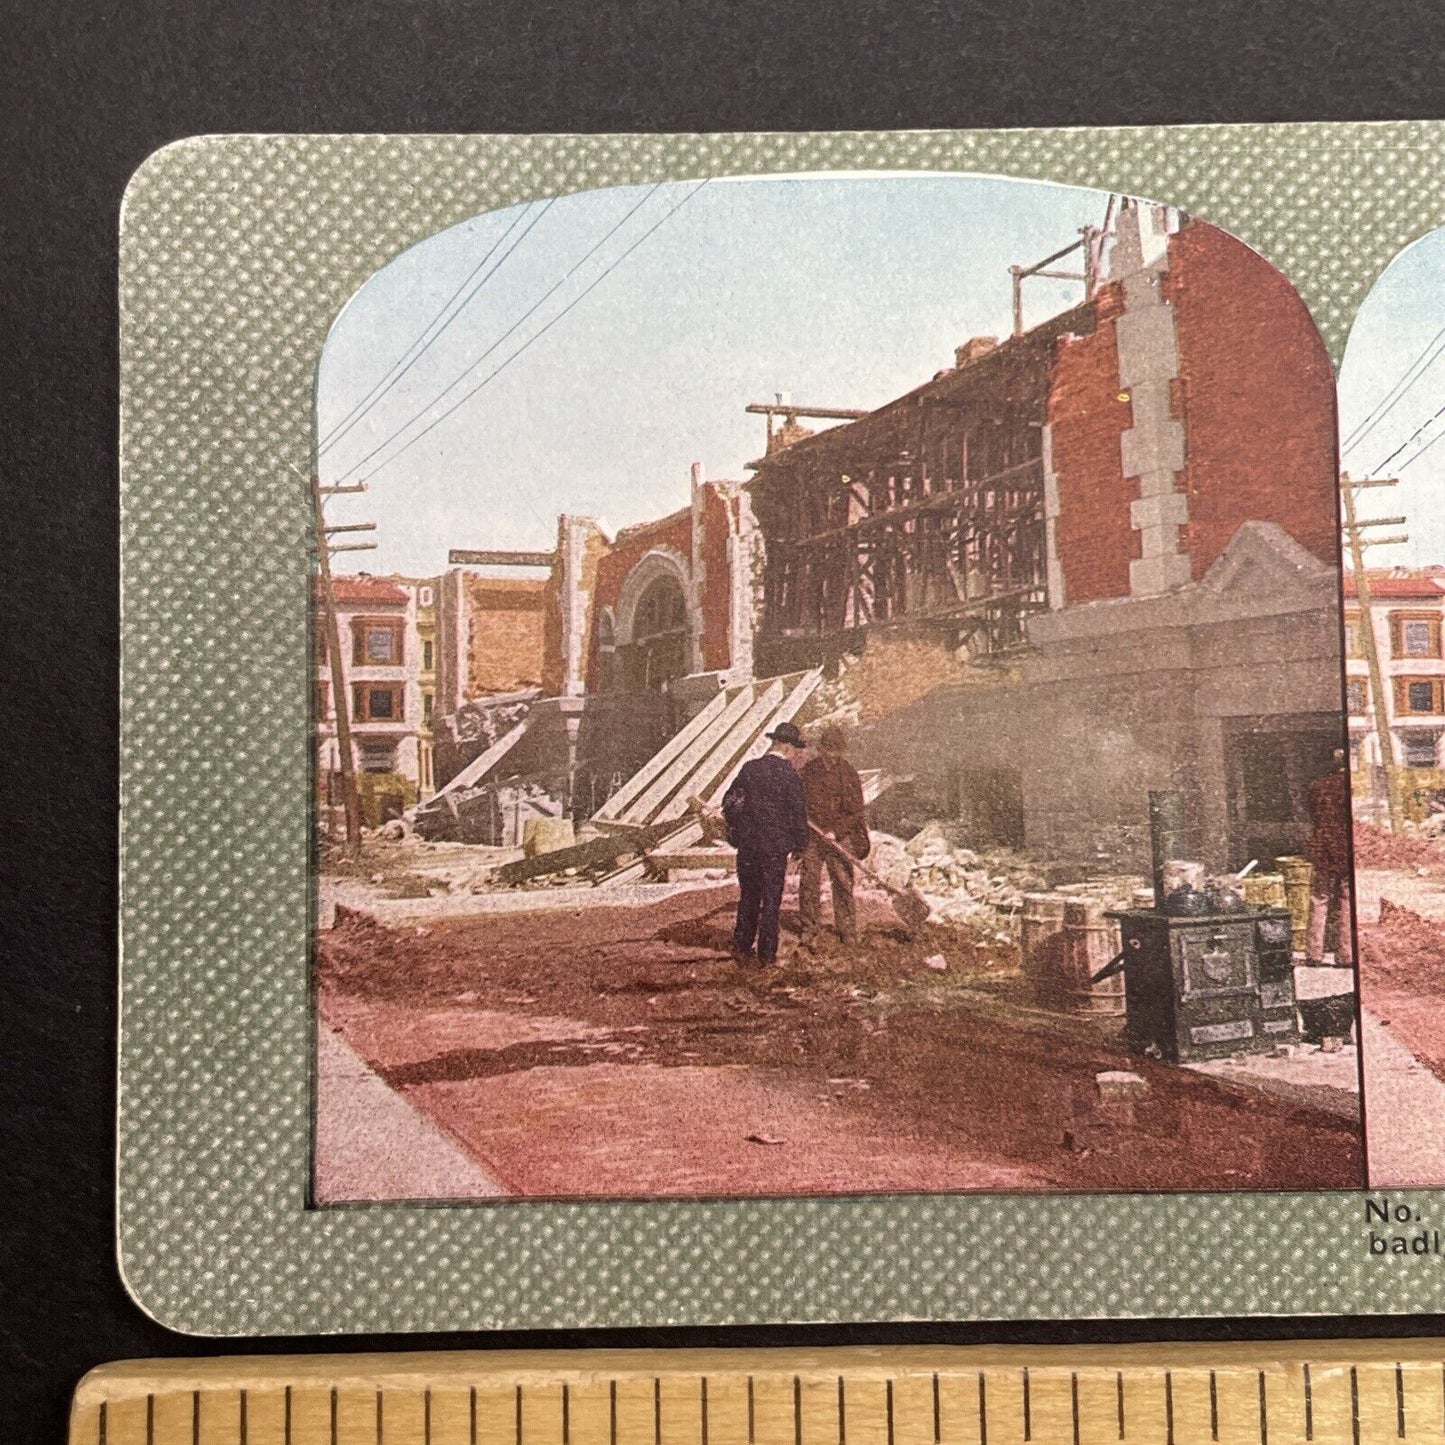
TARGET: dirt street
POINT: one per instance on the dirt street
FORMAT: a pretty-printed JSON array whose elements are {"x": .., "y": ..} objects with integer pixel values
[
  {"x": 1402, "y": 980},
  {"x": 601, "y": 1052}
]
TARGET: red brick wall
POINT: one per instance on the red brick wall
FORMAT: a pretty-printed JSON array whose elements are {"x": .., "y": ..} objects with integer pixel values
[
  {"x": 632, "y": 545},
  {"x": 1093, "y": 533},
  {"x": 505, "y": 627},
  {"x": 1257, "y": 394},
  {"x": 675, "y": 532}
]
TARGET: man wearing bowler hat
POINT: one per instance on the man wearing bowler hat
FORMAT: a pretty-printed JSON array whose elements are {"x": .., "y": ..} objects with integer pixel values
[{"x": 767, "y": 821}]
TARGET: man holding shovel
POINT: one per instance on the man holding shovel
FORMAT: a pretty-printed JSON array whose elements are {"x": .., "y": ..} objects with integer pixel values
[{"x": 834, "y": 794}]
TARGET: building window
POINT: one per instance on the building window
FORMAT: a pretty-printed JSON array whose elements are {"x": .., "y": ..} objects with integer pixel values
[
  {"x": 1418, "y": 695},
  {"x": 376, "y": 643},
  {"x": 376, "y": 703},
  {"x": 424, "y": 597},
  {"x": 1419, "y": 749},
  {"x": 378, "y": 757},
  {"x": 426, "y": 707},
  {"x": 1354, "y": 642},
  {"x": 1415, "y": 635},
  {"x": 428, "y": 655},
  {"x": 1357, "y": 691}
]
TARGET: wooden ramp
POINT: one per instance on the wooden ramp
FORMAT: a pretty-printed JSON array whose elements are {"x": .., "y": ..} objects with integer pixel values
[{"x": 700, "y": 762}]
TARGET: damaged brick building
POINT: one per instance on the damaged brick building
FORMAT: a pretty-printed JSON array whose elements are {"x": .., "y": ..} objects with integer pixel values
[
  {"x": 1125, "y": 521},
  {"x": 622, "y": 641},
  {"x": 1119, "y": 527}
]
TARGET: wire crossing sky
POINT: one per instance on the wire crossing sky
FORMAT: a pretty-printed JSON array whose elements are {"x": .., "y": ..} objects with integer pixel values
[
  {"x": 842, "y": 292},
  {"x": 1399, "y": 335}
]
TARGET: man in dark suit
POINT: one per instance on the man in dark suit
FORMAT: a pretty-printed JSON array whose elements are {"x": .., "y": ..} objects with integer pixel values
[{"x": 767, "y": 821}]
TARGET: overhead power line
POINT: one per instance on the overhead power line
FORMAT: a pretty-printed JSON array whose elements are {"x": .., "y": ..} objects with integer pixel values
[
  {"x": 1415, "y": 457},
  {"x": 537, "y": 336},
  {"x": 1411, "y": 440},
  {"x": 425, "y": 341},
  {"x": 1412, "y": 373},
  {"x": 531, "y": 311}
]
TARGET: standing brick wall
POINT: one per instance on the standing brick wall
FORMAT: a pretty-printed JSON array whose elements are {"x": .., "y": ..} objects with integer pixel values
[
  {"x": 716, "y": 587},
  {"x": 1256, "y": 393},
  {"x": 632, "y": 545},
  {"x": 1093, "y": 533},
  {"x": 505, "y": 634}
]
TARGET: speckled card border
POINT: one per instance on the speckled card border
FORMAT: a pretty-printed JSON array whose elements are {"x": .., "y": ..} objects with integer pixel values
[{"x": 237, "y": 252}]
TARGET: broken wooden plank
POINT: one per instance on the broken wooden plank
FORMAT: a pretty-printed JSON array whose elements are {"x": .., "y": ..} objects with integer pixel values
[
  {"x": 483, "y": 763},
  {"x": 695, "y": 858},
  {"x": 676, "y": 778},
  {"x": 742, "y": 735},
  {"x": 618, "y": 805},
  {"x": 594, "y": 853},
  {"x": 799, "y": 686},
  {"x": 635, "y": 871}
]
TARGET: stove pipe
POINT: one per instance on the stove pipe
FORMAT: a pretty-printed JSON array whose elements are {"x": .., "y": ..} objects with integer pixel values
[{"x": 1168, "y": 834}]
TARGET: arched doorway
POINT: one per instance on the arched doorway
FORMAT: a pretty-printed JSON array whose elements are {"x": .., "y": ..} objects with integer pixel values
[{"x": 657, "y": 650}]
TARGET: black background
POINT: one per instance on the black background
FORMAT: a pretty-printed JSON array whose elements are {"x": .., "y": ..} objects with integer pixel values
[{"x": 91, "y": 89}]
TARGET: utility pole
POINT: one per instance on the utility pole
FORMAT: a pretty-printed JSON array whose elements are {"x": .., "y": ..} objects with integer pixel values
[
  {"x": 351, "y": 800},
  {"x": 1353, "y": 527}
]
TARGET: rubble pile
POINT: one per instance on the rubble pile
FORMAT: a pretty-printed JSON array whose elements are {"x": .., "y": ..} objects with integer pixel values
[
  {"x": 962, "y": 885},
  {"x": 891, "y": 674},
  {"x": 467, "y": 733},
  {"x": 1380, "y": 848}
]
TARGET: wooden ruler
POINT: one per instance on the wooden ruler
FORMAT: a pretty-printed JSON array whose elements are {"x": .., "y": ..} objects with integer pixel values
[{"x": 1340, "y": 1393}]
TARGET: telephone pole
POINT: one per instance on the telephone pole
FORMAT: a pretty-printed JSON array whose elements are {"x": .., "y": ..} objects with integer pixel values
[
  {"x": 350, "y": 798},
  {"x": 1379, "y": 709}
]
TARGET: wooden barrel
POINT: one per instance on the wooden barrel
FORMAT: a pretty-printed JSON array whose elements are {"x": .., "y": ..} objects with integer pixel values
[
  {"x": 1265, "y": 890},
  {"x": 1089, "y": 941},
  {"x": 1041, "y": 948},
  {"x": 1297, "y": 874}
]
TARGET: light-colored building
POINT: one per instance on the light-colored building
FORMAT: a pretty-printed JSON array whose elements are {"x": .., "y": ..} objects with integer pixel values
[
  {"x": 384, "y": 663},
  {"x": 1408, "y": 609}
]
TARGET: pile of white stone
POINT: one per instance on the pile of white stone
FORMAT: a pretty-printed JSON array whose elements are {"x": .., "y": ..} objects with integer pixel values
[{"x": 961, "y": 885}]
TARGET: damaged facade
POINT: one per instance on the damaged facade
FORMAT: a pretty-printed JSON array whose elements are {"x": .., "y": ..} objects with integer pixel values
[
  {"x": 1126, "y": 518},
  {"x": 624, "y": 639},
  {"x": 1118, "y": 529}
]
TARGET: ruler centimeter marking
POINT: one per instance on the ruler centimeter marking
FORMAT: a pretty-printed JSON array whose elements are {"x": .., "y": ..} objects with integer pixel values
[{"x": 1365, "y": 1393}]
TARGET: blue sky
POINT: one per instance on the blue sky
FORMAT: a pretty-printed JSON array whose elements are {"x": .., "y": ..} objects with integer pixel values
[
  {"x": 843, "y": 292},
  {"x": 1402, "y": 315}
]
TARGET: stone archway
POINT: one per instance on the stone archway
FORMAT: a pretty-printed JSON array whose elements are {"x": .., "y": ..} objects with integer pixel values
[{"x": 653, "y": 626}]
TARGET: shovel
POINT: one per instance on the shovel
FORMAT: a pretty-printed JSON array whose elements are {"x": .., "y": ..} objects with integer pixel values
[{"x": 910, "y": 907}]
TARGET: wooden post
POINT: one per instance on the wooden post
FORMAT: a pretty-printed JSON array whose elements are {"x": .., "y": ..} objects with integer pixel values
[
  {"x": 1379, "y": 705},
  {"x": 351, "y": 801}
]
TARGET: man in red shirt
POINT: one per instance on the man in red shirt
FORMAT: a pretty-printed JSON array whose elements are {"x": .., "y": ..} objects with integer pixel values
[
  {"x": 834, "y": 793},
  {"x": 1329, "y": 856}
]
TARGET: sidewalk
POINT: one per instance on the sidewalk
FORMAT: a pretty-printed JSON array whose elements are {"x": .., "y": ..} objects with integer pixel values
[
  {"x": 1404, "y": 1104},
  {"x": 373, "y": 1145}
]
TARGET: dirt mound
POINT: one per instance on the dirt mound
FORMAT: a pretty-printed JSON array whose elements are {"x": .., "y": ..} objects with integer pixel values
[
  {"x": 1377, "y": 847},
  {"x": 1406, "y": 949}
]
